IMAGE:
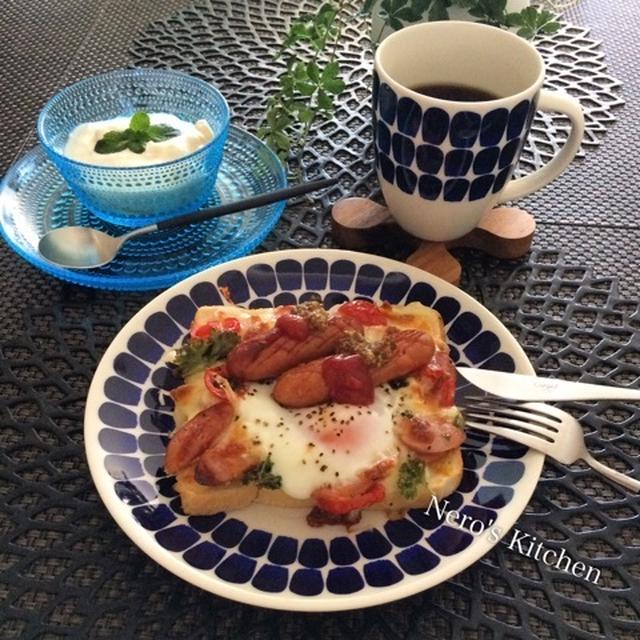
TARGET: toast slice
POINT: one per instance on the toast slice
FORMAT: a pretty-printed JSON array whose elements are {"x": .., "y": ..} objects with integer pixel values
[{"x": 294, "y": 440}]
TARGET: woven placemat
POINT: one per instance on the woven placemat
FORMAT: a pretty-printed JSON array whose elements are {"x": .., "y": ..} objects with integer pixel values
[{"x": 59, "y": 544}]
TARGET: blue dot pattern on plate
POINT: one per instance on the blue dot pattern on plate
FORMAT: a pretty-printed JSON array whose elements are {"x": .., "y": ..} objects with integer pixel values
[
  {"x": 484, "y": 147},
  {"x": 271, "y": 562}
]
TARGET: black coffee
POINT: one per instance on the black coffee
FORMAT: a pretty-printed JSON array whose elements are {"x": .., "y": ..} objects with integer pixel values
[{"x": 455, "y": 92}]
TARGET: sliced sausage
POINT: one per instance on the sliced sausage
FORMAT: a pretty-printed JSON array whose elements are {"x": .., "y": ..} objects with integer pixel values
[{"x": 197, "y": 435}]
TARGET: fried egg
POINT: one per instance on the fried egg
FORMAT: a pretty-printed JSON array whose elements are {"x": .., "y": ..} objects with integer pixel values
[{"x": 326, "y": 444}]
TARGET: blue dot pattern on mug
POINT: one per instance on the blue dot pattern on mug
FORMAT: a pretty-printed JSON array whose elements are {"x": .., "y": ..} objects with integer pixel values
[
  {"x": 136, "y": 420},
  {"x": 483, "y": 147}
]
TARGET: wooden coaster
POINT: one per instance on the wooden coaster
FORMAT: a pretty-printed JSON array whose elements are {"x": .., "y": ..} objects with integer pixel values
[{"x": 361, "y": 224}]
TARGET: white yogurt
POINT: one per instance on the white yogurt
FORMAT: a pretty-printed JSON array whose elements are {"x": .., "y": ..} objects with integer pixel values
[{"x": 82, "y": 140}]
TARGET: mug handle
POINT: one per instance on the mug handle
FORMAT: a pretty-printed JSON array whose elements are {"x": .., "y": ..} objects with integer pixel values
[{"x": 562, "y": 103}]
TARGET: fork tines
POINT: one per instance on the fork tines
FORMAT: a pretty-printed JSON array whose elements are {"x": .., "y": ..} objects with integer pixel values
[{"x": 527, "y": 417}]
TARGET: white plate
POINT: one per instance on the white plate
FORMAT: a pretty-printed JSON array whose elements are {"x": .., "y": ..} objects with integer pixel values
[{"x": 270, "y": 557}]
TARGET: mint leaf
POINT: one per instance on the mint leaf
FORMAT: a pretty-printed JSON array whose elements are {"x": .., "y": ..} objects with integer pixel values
[
  {"x": 161, "y": 132},
  {"x": 136, "y": 136},
  {"x": 111, "y": 142},
  {"x": 139, "y": 121},
  {"x": 136, "y": 145}
]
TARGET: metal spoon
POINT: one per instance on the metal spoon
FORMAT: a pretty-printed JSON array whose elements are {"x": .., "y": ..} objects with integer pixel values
[{"x": 86, "y": 248}]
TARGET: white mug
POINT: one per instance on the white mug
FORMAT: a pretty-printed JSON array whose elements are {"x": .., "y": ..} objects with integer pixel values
[{"x": 443, "y": 163}]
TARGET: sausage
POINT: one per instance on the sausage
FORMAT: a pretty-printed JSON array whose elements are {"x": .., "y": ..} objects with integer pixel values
[
  {"x": 305, "y": 385},
  {"x": 197, "y": 435},
  {"x": 268, "y": 355},
  {"x": 224, "y": 463},
  {"x": 429, "y": 437}
]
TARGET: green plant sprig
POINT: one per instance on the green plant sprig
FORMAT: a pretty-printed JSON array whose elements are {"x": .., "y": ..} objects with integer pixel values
[
  {"x": 135, "y": 138},
  {"x": 310, "y": 83},
  {"x": 531, "y": 21}
]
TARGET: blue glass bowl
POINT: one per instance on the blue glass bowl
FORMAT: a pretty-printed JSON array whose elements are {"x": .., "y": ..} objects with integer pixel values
[
  {"x": 135, "y": 196},
  {"x": 35, "y": 199}
]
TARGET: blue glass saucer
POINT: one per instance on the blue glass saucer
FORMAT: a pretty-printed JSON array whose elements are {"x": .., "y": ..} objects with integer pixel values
[{"x": 34, "y": 199}]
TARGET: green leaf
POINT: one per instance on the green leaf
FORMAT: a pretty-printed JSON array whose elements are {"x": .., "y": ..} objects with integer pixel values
[
  {"x": 263, "y": 475},
  {"x": 198, "y": 354},
  {"x": 438, "y": 11},
  {"x": 313, "y": 72},
  {"x": 331, "y": 71},
  {"x": 282, "y": 121},
  {"x": 161, "y": 132},
  {"x": 139, "y": 121},
  {"x": 281, "y": 141},
  {"x": 111, "y": 142},
  {"x": 325, "y": 101},
  {"x": 420, "y": 6},
  {"x": 396, "y": 5},
  {"x": 385, "y": 5},
  {"x": 334, "y": 86},
  {"x": 513, "y": 20},
  {"x": 306, "y": 115},
  {"x": 477, "y": 12},
  {"x": 305, "y": 88},
  {"x": 407, "y": 14},
  {"x": 136, "y": 146},
  {"x": 550, "y": 27},
  {"x": 300, "y": 71},
  {"x": 526, "y": 32}
]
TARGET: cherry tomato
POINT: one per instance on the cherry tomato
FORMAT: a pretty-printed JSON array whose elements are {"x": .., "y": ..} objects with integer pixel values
[
  {"x": 204, "y": 330},
  {"x": 342, "y": 500},
  {"x": 293, "y": 326},
  {"x": 364, "y": 311},
  {"x": 427, "y": 437},
  {"x": 439, "y": 376},
  {"x": 349, "y": 379}
]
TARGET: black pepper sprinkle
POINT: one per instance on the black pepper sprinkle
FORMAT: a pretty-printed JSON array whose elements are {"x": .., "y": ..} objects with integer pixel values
[{"x": 323, "y": 468}]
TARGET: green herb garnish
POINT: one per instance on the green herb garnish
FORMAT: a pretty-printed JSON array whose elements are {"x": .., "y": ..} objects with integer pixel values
[
  {"x": 199, "y": 353},
  {"x": 411, "y": 475},
  {"x": 262, "y": 475},
  {"x": 136, "y": 136}
]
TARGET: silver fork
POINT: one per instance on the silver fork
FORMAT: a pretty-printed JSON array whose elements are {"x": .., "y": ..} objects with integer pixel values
[{"x": 539, "y": 426}]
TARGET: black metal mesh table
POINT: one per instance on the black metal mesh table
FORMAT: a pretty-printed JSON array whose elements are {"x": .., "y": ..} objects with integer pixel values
[{"x": 68, "y": 571}]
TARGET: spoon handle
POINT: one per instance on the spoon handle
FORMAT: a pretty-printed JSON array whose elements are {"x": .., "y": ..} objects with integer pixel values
[{"x": 249, "y": 203}]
